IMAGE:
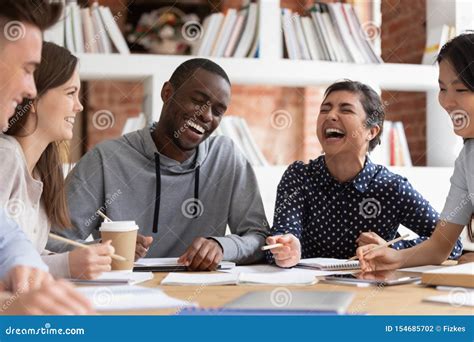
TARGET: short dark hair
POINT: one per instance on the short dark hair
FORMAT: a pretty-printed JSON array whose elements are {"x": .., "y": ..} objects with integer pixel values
[
  {"x": 460, "y": 53},
  {"x": 370, "y": 101},
  {"x": 186, "y": 69},
  {"x": 39, "y": 13}
]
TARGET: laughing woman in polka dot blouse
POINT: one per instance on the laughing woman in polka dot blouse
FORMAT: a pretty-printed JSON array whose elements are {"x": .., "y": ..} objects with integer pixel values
[{"x": 341, "y": 200}]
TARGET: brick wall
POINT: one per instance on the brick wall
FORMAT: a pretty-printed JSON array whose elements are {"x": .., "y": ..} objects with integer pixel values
[
  {"x": 403, "y": 37},
  {"x": 403, "y": 41}
]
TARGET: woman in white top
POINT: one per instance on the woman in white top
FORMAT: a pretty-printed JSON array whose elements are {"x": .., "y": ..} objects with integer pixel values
[
  {"x": 31, "y": 175},
  {"x": 456, "y": 96}
]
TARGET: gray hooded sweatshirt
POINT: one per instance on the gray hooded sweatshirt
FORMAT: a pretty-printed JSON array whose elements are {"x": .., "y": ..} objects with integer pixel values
[{"x": 172, "y": 202}]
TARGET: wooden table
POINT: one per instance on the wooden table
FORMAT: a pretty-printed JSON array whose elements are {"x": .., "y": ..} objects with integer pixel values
[{"x": 389, "y": 300}]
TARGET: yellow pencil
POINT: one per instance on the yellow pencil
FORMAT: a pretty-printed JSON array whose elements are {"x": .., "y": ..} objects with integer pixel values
[
  {"x": 78, "y": 244},
  {"x": 386, "y": 244}
]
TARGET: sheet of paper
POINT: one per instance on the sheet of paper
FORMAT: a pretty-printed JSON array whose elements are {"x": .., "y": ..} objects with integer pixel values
[
  {"x": 421, "y": 269},
  {"x": 280, "y": 270},
  {"x": 157, "y": 262},
  {"x": 118, "y": 277},
  {"x": 291, "y": 278},
  {"x": 187, "y": 278},
  {"x": 467, "y": 268},
  {"x": 459, "y": 299},
  {"x": 113, "y": 298}
]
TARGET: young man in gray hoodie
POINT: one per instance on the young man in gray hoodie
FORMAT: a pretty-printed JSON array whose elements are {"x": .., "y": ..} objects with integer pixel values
[{"x": 180, "y": 185}]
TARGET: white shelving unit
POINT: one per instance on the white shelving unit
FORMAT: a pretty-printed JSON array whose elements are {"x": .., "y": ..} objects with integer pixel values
[{"x": 269, "y": 69}]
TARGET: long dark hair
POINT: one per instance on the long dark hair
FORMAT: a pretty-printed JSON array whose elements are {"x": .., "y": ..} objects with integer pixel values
[{"x": 56, "y": 68}]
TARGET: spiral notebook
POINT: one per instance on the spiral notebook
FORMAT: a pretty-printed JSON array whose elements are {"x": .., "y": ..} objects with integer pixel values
[{"x": 329, "y": 264}]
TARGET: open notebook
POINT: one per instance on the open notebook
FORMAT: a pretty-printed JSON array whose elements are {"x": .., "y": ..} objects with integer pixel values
[
  {"x": 239, "y": 279},
  {"x": 169, "y": 265},
  {"x": 117, "y": 278},
  {"x": 459, "y": 275},
  {"x": 329, "y": 264},
  {"x": 113, "y": 298}
]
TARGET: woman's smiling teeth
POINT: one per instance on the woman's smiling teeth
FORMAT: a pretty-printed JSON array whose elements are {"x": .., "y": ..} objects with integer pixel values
[
  {"x": 70, "y": 119},
  {"x": 197, "y": 127},
  {"x": 334, "y": 133}
]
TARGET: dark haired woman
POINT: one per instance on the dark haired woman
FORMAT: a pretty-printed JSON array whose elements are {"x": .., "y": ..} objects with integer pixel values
[
  {"x": 456, "y": 96},
  {"x": 341, "y": 200},
  {"x": 31, "y": 176}
]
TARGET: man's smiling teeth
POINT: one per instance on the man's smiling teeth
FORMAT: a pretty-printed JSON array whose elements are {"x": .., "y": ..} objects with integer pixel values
[
  {"x": 70, "y": 119},
  {"x": 197, "y": 127}
]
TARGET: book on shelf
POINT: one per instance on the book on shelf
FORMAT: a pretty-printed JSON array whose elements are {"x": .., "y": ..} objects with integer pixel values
[
  {"x": 233, "y": 34},
  {"x": 134, "y": 124},
  {"x": 435, "y": 39},
  {"x": 393, "y": 149},
  {"x": 236, "y": 128},
  {"x": 91, "y": 29},
  {"x": 331, "y": 32}
]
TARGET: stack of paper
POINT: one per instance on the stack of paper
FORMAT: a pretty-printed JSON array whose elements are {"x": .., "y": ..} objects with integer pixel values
[
  {"x": 117, "y": 278},
  {"x": 238, "y": 279},
  {"x": 115, "y": 298},
  {"x": 169, "y": 265}
]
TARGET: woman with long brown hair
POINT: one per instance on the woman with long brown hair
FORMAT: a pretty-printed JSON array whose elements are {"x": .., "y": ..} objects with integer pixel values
[{"x": 33, "y": 194}]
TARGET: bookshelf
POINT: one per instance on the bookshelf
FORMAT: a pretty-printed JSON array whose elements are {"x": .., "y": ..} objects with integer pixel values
[
  {"x": 272, "y": 69},
  {"x": 269, "y": 69}
]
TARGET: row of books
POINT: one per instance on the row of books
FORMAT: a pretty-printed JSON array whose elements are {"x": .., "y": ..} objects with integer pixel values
[
  {"x": 435, "y": 39},
  {"x": 330, "y": 32},
  {"x": 88, "y": 30},
  {"x": 237, "y": 129},
  {"x": 393, "y": 149},
  {"x": 234, "y": 34}
]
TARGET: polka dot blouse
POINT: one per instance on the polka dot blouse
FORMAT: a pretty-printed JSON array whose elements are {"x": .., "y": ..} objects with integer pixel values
[{"x": 328, "y": 216}]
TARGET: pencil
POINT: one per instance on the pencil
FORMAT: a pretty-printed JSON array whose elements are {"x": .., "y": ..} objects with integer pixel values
[
  {"x": 78, "y": 244},
  {"x": 386, "y": 244},
  {"x": 103, "y": 215},
  {"x": 267, "y": 247}
]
